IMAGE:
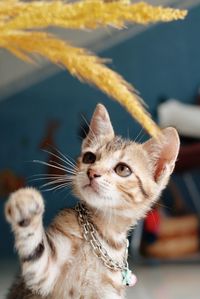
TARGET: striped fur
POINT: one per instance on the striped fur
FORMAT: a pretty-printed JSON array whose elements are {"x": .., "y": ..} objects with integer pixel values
[{"x": 58, "y": 263}]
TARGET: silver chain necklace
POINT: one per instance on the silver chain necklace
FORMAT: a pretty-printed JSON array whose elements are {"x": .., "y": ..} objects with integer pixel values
[{"x": 91, "y": 236}]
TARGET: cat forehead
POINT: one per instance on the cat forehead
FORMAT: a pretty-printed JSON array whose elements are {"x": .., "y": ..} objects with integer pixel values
[
  {"x": 117, "y": 144},
  {"x": 121, "y": 148}
]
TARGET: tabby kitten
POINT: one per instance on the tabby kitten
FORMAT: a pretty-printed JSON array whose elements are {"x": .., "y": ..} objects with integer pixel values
[{"x": 82, "y": 255}]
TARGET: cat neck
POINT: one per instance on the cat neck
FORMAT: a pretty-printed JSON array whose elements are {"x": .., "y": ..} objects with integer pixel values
[{"x": 112, "y": 226}]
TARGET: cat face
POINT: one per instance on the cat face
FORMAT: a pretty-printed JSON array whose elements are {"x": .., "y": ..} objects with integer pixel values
[{"x": 121, "y": 174}]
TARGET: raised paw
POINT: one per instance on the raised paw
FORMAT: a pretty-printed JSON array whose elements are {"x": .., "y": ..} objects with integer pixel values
[{"x": 23, "y": 206}]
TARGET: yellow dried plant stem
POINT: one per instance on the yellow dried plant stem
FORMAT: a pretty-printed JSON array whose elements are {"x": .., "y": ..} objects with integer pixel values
[
  {"x": 83, "y": 14},
  {"x": 83, "y": 65}
]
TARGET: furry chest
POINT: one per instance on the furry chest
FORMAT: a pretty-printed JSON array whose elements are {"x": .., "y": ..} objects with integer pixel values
[{"x": 87, "y": 277}]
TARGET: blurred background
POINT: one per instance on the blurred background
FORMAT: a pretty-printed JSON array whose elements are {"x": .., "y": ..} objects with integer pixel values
[{"x": 42, "y": 107}]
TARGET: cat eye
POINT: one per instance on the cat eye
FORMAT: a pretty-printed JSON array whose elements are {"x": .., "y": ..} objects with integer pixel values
[
  {"x": 89, "y": 158},
  {"x": 123, "y": 170}
]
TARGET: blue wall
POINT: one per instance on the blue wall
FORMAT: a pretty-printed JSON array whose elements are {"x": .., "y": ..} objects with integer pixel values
[{"x": 162, "y": 61}]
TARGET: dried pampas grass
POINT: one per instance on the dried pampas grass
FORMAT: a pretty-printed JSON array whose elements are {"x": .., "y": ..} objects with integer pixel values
[
  {"x": 19, "y": 22},
  {"x": 84, "y": 14}
]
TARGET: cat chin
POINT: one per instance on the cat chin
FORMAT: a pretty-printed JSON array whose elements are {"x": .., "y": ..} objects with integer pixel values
[
  {"x": 98, "y": 200},
  {"x": 92, "y": 198},
  {"x": 96, "y": 197},
  {"x": 92, "y": 189}
]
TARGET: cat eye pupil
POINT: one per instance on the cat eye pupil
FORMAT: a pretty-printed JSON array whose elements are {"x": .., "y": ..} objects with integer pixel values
[
  {"x": 89, "y": 158},
  {"x": 123, "y": 170}
]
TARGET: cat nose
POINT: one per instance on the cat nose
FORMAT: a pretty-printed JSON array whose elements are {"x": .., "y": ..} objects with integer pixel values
[{"x": 92, "y": 174}]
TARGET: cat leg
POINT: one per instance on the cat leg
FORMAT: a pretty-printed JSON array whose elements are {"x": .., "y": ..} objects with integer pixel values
[{"x": 36, "y": 249}]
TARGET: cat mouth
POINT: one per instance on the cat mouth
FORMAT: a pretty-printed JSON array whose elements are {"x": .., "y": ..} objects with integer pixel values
[{"x": 92, "y": 186}]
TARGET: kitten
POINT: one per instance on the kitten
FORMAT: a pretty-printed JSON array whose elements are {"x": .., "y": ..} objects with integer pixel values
[{"x": 82, "y": 255}]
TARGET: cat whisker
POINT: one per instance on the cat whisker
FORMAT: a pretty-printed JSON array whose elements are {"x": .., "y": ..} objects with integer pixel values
[
  {"x": 61, "y": 186},
  {"x": 62, "y": 190},
  {"x": 63, "y": 155},
  {"x": 67, "y": 158},
  {"x": 164, "y": 206},
  {"x": 105, "y": 189},
  {"x": 104, "y": 185},
  {"x": 57, "y": 182},
  {"x": 38, "y": 177},
  {"x": 52, "y": 177},
  {"x": 92, "y": 140},
  {"x": 84, "y": 132},
  {"x": 64, "y": 185},
  {"x": 139, "y": 136},
  {"x": 64, "y": 159},
  {"x": 48, "y": 178},
  {"x": 90, "y": 129},
  {"x": 66, "y": 168},
  {"x": 46, "y": 175},
  {"x": 50, "y": 165}
]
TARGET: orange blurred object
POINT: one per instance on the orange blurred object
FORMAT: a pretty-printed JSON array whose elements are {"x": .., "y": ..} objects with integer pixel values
[{"x": 10, "y": 182}]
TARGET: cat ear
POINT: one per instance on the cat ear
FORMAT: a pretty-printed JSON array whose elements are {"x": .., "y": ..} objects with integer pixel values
[
  {"x": 100, "y": 129},
  {"x": 163, "y": 153}
]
